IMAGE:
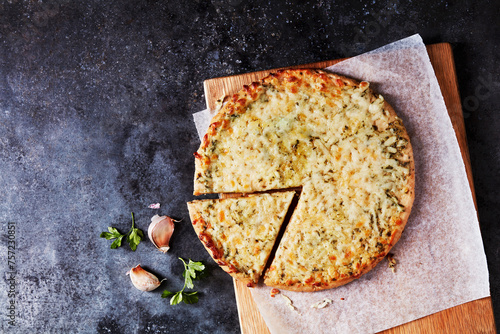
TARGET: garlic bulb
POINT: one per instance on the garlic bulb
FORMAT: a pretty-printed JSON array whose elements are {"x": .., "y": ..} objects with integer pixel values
[
  {"x": 142, "y": 279},
  {"x": 160, "y": 230}
]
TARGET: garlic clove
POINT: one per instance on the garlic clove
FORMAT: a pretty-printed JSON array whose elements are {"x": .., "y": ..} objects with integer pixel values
[
  {"x": 160, "y": 230},
  {"x": 142, "y": 279}
]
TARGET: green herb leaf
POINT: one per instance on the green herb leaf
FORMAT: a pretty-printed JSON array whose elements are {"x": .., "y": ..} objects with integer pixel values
[
  {"x": 190, "y": 298},
  {"x": 134, "y": 236},
  {"x": 198, "y": 266},
  {"x": 176, "y": 299},
  {"x": 167, "y": 294},
  {"x": 188, "y": 282},
  {"x": 107, "y": 235},
  {"x": 112, "y": 234},
  {"x": 117, "y": 243}
]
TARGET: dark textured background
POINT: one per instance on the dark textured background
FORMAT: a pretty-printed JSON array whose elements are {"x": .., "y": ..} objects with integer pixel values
[{"x": 95, "y": 121}]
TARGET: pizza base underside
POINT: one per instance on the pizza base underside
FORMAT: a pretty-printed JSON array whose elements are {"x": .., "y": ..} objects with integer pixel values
[{"x": 343, "y": 224}]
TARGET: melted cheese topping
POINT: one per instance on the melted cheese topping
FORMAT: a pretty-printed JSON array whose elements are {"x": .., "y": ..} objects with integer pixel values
[
  {"x": 240, "y": 232},
  {"x": 336, "y": 139}
]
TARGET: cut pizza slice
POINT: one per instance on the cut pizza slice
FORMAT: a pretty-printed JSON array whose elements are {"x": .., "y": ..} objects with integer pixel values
[
  {"x": 334, "y": 237},
  {"x": 239, "y": 233}
]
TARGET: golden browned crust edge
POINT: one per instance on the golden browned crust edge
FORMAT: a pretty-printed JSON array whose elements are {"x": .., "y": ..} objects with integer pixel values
[{"x": 299, "y": 287}]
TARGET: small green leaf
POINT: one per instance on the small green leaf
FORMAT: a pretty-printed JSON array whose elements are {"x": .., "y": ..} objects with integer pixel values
[
  {"x": 167, "y": 294},
  {"x": 140, "y": 233},
  {"x": 198, "y": 266},
  {"x": 133, "y": 246},
  {"x": 176, "y": 299},
  {"x": 188, "y": 282},
  {"x": 190, "y": 273},
  {"x": 190, "y": 298},
  {"x": 134, "y": 238},
  {"x": 113, "y": 230},
  {"x": 117, "y": 243},
  {"x": 106, "y": 235},
  {"x": 112, "y": 234}
]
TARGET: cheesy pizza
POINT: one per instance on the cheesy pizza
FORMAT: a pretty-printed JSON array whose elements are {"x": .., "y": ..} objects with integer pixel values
[{"x": 340, "y": 143}]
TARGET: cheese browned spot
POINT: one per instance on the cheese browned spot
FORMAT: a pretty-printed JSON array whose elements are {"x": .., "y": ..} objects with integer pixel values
[
  {"x": 338, "y": 140},
  {"x": 239, "y": 233}
]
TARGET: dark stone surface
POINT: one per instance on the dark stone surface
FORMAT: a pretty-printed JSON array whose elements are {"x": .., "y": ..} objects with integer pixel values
[{"x": 95, "y": 105}]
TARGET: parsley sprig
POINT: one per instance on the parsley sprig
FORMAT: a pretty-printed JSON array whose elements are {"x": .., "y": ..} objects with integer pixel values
[
  {"x": 189, "y": 274},
  {"x": 134, "y": 236}
]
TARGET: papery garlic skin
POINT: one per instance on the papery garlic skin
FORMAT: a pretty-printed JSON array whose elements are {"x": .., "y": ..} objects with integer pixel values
[
  {"x": 142, "y": 279},
  {"x": 160, "y": 231}
]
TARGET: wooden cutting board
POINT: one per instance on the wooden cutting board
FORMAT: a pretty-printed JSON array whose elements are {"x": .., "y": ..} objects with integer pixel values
[{"x": 473, "y": 317}]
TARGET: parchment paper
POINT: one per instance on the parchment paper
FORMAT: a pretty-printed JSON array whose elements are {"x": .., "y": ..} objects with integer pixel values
[{"x": 440, "y": 257}]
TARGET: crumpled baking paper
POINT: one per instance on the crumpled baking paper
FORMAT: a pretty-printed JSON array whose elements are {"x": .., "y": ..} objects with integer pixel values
[{"x": 440, "y": 257}]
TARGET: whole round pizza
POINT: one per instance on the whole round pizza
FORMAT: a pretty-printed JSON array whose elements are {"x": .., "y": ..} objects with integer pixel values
[{"x": 338, "y": 145}]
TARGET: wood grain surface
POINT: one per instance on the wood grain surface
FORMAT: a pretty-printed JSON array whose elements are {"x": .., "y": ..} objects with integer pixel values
[{"x": 473, "y": 317}]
